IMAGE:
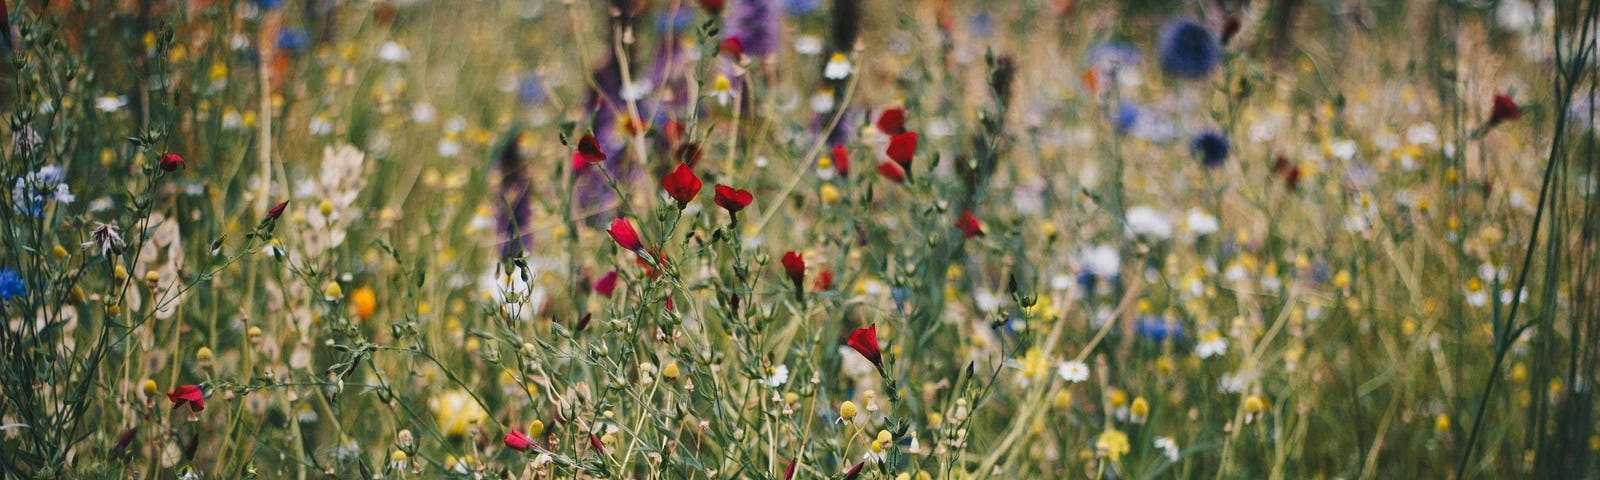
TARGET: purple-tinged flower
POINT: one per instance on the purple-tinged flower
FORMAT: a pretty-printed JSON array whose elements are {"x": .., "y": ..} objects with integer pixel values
[
  {"x": 1211, "y": 147},
  {"x": 757, "y": 24}
]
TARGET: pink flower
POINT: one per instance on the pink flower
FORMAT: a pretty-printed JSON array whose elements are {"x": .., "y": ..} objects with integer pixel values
[{"x": 518, "y": 441}]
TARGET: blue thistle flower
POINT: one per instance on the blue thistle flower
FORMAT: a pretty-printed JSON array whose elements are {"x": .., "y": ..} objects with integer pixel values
[
  {"x": 1188, "y": 49},
  {"x": 1211, "y": 147},
  {"x": 11, "y": 285},
  {"x": 757, "y": 24}
]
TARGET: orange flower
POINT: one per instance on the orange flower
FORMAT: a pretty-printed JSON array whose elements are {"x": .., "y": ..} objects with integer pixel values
[{"x": 364, "y": 302}]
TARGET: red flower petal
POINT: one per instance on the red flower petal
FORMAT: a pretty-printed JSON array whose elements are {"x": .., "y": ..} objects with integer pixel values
[
  {"x": 902, "y": 148},
  {"x": 865, "y": 342},
  {"x": 892, "y": 121},
  {"x": 589, "y": 149},
  {"x": 682, "y": 184}
]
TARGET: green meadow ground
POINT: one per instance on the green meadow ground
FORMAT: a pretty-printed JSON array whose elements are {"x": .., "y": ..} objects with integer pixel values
[{"x": 365, "y": 239}]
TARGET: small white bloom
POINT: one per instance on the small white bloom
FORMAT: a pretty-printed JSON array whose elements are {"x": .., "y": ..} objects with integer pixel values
[
  {"x": 393, "y": 52},
  {"x": 808, "y": 45},
  {"x": 1343, "y": 149},
  {"x": 110, "y": 103},
  {"x": 822, "y": 101},
  {"x": 1073, "y": 371},
  {"x": 1167, "y": 447},
  {"x": 1213, "y": 346},
  {"x": 1102, "y": 261},
  {"x": 1200, "y": 222},
  {"x": 1146, "y": 221},
  {"x": 778, "y": 376},
  {"x": 838, "y": 67}
]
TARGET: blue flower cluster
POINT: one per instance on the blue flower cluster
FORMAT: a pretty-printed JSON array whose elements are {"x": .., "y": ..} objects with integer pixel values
[
  {"x": 11, "y": 285},
  {"x": 29, "y": 193}
]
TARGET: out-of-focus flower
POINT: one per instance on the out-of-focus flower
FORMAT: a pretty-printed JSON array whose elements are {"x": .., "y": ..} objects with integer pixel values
[
  {"x": 969, "y": 225},
  {"x": 757, "y": 24},
  {"x": 456, "y": 410},
  {"x": 795, "y": 267},
  {"x": 607, "y": 284},
  {"x": 1213, "y": 344},
  {"x": 1111, "y": 444},
  {"x": 1211, "y": 147},
  {"x": 902, "y": 148},
  {"x": 1188, "y": 49},
  {"x": 1159, "y": 329},
  {"x": 1073, "y": 371},
  {"x": 171, "y": 162},
  {"x": 892, "y": 121},
  {"x": 1504, "y": 109},
  {"x": 1167, "y": 447},
  {"x": 589, "y": 149},
  {"x": 364, "y": 302},
  {"x": 1147, "y": 222},
  {"x": 110, "y": 103},
  {"x": 838, "y": 67}
]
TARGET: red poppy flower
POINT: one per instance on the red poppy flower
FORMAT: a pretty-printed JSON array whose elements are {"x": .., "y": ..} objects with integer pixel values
[
  {"x": 277, "y": 211},
  {"x": 732, "y": 47},
  {"x": 625, "y": 235},
  {"x": 796, "y": 268},
  {"x": 788, "y": 473},
  {"x": 892, "y": 171},
  {"x": 518, "y": 441},
  {"x": 841, "y": 160},
  {"x": 824, "y": 281},
  {"x": 190, "y": 394},
  {"x": 589, "y": 149},
  {"x": 682, "y": 185},
  {"x": 171, "y": 162},
  {"x": 902, "y": 147},
  {"x": 865, "y": 342},
  {"x": 732, "y": 200},
  {"x": 606, "y": 284},
  {"x": 595, "y": 442},
  {"x": 892, "y": 121},
  {"x": 969, "y": 225},
  {"x": 1504, "y": 109}
]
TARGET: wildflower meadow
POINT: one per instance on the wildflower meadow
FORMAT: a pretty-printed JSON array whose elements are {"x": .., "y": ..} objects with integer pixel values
[{"x": 799, "y": 239}]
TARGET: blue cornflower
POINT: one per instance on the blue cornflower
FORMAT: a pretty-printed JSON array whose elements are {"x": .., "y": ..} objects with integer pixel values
[
  {"x": 1127, "y": 117},
  {"x": 268, "y": 4},
  {"x": 11, "y": 285},
  {"x": 1211, "y": 147},
  {"x": 899, "y": 295},
  {"x": 1159, "y": 329},
  {"x": 293, "y": 39},
  {"x": 30, "y": 192},
  {"x": 1188, "y": 50}
]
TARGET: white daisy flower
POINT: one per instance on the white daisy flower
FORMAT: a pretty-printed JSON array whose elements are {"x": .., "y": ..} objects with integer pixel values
[
  {"x": 1167, "y": 447},
  {"x": 838, "y": 67},
  {"x": 1073, "y": 371}
]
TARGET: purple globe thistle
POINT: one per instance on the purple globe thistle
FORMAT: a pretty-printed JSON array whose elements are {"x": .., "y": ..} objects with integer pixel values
[
  {"x": 757, "y": 24},
  {"x": 1211, "y": 147},
  {"x": 1188, "y": 49}
]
